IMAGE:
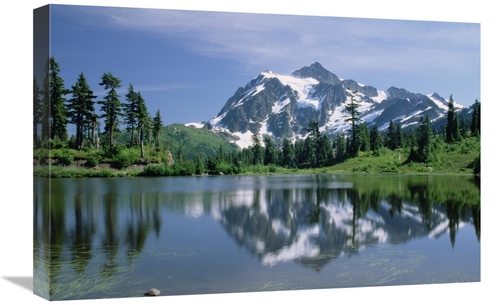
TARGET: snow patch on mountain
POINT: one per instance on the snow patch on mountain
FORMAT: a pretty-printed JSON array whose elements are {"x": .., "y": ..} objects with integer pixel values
[
  {"x": 302, "y": 87},
  {"x": 196, "y": 125},
  {"x": 278, "y": 107},
  {"x": 245, "y": 139}
]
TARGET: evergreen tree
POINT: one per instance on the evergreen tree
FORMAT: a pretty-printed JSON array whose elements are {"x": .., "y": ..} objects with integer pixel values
[
  {"x": 375, "y": 139},
  {"x": 399, "y": 140},
  {"x": 45, "y": 125},
  {"x": 157, "y": 128},
  {"x": 81, "y": 108},
  {"x": 221, "y": 156},
  {"x": 55, "y": 113},
  {"x": 340, "y": 146},
  {"x": 476, "y": 122},
  {"x": 269, "y": 151},
  {"x": 131, "y": 112},
  {"x": 143, "y": 121},
  {"x": 364, "y": 137},
  {"x": 287, "y": 153},
  {"x": 199, "y": 166},
  {"x": 314, "y": 137},
  {"x": 299, "y": 151},
  {"x": 424, "y": 140},
  {"x": 257, "y": 149},
  {"x": 464, "y": 127},
  {"x": 111, "y": 106},
  {"x": 452, "y": 126},
  {"x": 390, "y": 136},
  {"x": 37, "y": 112},
  {"x": 309, "y": 154},
  {"x": 410, "y": 138},
  {"x": 325, "y": 151},
  {"x": 94, "y": 129},
  {"x": 353, "y": 118}
]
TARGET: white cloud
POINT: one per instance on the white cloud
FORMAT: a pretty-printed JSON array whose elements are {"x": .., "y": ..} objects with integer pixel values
[{"x": 288, "y": 42}]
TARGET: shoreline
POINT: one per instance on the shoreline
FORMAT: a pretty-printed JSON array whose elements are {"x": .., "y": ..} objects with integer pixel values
[{"x": 57, "y": 172}]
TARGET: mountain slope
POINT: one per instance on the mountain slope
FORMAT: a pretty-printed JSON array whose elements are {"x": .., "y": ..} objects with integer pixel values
[{"x": 194, "y": 140}]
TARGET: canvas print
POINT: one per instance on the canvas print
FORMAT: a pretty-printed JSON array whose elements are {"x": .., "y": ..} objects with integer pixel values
[{"x": 196, "y": 152}]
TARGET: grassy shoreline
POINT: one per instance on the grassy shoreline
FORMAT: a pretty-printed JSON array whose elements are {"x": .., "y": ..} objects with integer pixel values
[{"x": 390, "y": 163}]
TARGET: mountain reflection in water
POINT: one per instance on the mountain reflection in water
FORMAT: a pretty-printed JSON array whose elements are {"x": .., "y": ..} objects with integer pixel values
[{"x": 308, "y": 219}]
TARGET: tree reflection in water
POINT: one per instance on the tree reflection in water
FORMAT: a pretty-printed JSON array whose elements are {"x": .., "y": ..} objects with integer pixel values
[{"x": 100, "y": 228}]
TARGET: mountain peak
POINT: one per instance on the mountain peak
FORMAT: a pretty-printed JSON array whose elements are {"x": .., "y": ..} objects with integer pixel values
[
  {"x": 282, "y": 106},
  {"x": 318, "y": 72}
]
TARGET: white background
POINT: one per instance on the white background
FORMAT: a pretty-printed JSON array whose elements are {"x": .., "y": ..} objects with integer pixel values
[{"x": 16, "y": 150}]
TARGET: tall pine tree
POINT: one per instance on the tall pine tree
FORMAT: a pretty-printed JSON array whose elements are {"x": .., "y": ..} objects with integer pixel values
[
  {"x": 353, "y": 118},
  {"x": 157, "y": 128},
  {"x": 270, "y": 154},
  {"x": 424, "y": 140},
  {"x": 476, "y": 120},
  {"x": 81, "y": 108},
  {"x": 111, "y": 106},
  {"x": 452, "y": 126},
  {"x": 257, "y": 149},
  {"x": 287, "y": 153},
  {"x": 37, "y": 112},
  {"x": 375, "y": 139},
  {"x": 314, "y": 137},
  {"x": 143, "y": 120},
  {"x": 131, "y": 109},
  {"x": 54, "y": 112}
]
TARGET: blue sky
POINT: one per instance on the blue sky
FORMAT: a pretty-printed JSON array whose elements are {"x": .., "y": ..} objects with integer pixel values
[{"x": 187, "y": 63}]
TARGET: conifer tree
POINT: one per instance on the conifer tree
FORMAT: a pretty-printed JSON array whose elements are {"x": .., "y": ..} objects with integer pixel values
[
  {"x": 363, "y": 137},
  {"x": 37, "y": 112},
  {"x": 299, "y": 151},
  {"x": 131, "y": 109},
  {"x": 199, "y": 166},
  {"x": 399, "y": 137},
  {"x": 309, "y": 153},
  {"x": 269, "y": 151},
  {"x": 81, "y": 108},
  {"x": 391, "y": 136},
  {"x": 353, "y": 118},
  {"x": 452, "y": 126},
  {"x": 476, "y": 120},
  {"x": 143, "y": 120},
  {"x": 325, "y": 150},
  {"x": 157, "y": 128},
  {"x": 375, "y": 139},
  {"x": 314, "y": 141},
  {"x": 54, "y": 112},
  {"x": 257, "y": 149},
  {"x": 287, "y": 153},
  {"x": 424, "y": 140},
  {"x": 45, "y": 125},
  {"x": 340, "y": 146},
  {"x": 111, "y": 106}
]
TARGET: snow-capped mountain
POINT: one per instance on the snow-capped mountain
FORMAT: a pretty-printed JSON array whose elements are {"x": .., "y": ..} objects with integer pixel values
[{"x": 283, "y": 105}]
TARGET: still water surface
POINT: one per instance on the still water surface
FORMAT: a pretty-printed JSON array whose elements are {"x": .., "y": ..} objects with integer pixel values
[{"x": 119, "y": 237}]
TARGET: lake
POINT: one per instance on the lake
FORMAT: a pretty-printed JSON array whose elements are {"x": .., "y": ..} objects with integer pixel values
[{"x": 119, "y": 237}]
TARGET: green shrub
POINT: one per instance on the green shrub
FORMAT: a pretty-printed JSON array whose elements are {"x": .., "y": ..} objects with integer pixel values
[
  {"x": 92, "y": 161},
  {"x": 155, "y": 170},
  {"x": 476, "y": 167},
  {"x": 127, "y": 157},
  {"x": 66, "y": 159}
]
